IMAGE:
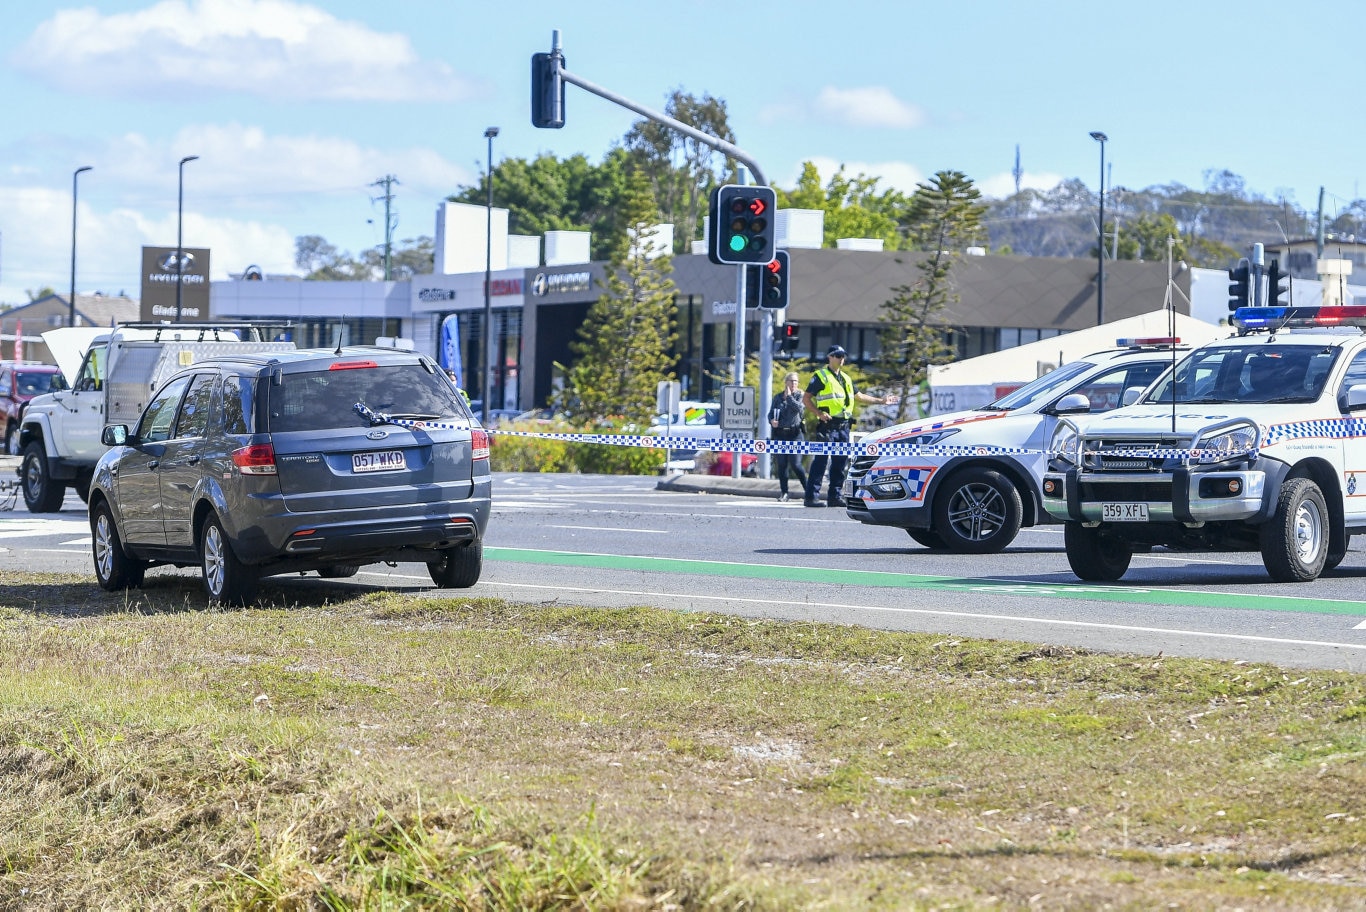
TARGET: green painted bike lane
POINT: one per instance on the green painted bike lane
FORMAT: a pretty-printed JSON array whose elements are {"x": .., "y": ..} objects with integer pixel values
[{"x": 1080, "y": 591}]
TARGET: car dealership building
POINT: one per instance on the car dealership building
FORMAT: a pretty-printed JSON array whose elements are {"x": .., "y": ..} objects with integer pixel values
[{"x": 538, "y": 300}]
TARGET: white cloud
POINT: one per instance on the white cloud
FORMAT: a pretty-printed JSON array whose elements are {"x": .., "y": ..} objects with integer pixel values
[
  {"x": 245, "y": 161},
  {"x": 893, "y": 175},
  {"x": 869, "y": 106},
  {"x": 271, "y": 48},
  {"x": 1000, "y": 186},
  {"x": 246, "y": 198},
  {"x": 109, "y": 243}
]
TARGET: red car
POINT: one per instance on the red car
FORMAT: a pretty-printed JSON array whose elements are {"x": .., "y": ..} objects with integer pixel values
[{"x": 20, "y": 381}]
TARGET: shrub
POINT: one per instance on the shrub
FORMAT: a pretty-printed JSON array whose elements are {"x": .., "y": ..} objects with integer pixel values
[{"x": 510, "y": 453}]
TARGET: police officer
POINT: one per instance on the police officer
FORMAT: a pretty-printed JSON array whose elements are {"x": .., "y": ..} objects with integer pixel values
[{"x": 830, "y": 396}]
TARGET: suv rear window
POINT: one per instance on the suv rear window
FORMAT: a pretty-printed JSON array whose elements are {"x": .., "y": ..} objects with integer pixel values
[{"x": 319, "y": 400}]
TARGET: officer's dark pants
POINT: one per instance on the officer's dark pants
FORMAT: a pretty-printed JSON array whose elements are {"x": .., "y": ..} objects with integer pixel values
[{"x": 832, "y": 432}]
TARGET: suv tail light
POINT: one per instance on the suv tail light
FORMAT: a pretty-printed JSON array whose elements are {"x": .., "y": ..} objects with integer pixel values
[
  {"x": 479, "y": 440},
  {"x": 257, "y": 459}
]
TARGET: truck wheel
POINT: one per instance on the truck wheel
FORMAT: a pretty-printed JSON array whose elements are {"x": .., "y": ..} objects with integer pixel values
[
  {"x": 977, "y": 512},
  {"x": 1094, "y": 555},
  {"x": 226, "y": 578},
  {"x": 458, "y": 568},
  {"x": 339, "y": 571},
  {"x": 114, "y": 569},
  {"x": 927, "y": 537},
  {"x": 1295, "y": 540},
  {"x": 12, "y": 440},
  {"x": 41, "y": 493},
  {"x": 82, "y": 486}
]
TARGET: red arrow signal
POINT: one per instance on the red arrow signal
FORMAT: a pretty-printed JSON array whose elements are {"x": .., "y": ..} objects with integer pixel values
[
  {"x": 775, "y": 267},
  {"x": 757, "y": 206}
]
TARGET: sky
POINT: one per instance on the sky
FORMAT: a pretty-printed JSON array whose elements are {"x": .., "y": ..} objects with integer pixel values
[{"x": 296, "y": 109}]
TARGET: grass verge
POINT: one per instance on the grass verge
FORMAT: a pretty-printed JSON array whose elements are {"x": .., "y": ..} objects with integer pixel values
[{"x": 349, "y": 748}]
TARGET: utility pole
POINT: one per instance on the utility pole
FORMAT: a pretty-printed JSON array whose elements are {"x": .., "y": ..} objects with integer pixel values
[{"x": 387, "y": 182}]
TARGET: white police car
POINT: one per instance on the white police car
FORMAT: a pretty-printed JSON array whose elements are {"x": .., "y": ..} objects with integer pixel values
[
  {"x": 973, "y": 502},
  {"x": 1256, "y": 443}
]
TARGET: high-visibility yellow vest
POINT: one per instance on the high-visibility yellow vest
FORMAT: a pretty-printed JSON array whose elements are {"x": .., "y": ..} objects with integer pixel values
[{"x": 836, "y": 395}]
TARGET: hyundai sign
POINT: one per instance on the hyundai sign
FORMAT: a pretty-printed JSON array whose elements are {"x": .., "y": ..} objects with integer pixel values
[{"x": 160, "y": 270}]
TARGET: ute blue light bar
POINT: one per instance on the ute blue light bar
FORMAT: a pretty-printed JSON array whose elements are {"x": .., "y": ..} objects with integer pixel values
[{"x": 1284, "y": 317}]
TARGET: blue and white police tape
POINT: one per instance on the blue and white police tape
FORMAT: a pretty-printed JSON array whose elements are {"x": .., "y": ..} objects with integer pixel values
[{"x": 750, "y": 445}]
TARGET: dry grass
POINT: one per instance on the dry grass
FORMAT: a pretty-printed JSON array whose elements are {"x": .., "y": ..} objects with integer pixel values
[{"x": 351, "y": 748}]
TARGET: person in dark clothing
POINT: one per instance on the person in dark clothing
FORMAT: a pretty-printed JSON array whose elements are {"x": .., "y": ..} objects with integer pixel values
[
  {"x": 830, "y": 396},
  {"x": 785, "y": 417}
]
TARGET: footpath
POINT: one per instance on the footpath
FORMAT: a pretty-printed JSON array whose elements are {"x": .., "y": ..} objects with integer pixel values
[{"x": 698, "y": 483}]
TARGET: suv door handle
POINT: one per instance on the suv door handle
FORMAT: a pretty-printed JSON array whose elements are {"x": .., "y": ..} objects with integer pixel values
[
  {"x": 154, "y": 463},
  {"x": 193, "y": 460}
]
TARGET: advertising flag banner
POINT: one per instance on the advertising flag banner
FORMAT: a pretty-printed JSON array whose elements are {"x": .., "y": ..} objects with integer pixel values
[{"x": 450, "y": 347}]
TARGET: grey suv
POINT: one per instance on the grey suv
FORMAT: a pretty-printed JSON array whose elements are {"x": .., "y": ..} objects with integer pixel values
[{"x": 257, "y": 465}]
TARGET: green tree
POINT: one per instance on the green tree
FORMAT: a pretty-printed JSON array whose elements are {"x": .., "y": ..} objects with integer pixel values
[
  {"x": 680, "y": 169},
  {"x": 551, "y": 194},
  {"x": 322, "y": 261},
  {"x": 943, "y": 217},
  {"x": 625, "y": 346},
  {"x": 44, "y": 292},
  {"x": 409, "y": 257},
  {"x": 853, "y": 206}
]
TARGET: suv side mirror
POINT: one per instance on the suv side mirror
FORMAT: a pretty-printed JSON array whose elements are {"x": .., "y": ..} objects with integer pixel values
[
  {"x": 1072, "y": 404},
  {"x": 114, "y": 435},
  {"x": 1131, "y": 395}
]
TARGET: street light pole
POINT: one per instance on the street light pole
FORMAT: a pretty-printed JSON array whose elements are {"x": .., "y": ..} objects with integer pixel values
[
  {"x": 71, "y": 303},
  {"x": 179, "y": 235},
  {"x": 488, "y": 278},
  {"x": 1100, "y": 234}
]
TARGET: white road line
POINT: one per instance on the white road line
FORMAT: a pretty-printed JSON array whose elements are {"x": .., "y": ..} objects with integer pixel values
[
  {"x": 611, "y": 529},
  {"x": 77, "y": 542},
  {"x": 1047, "y": 622}
]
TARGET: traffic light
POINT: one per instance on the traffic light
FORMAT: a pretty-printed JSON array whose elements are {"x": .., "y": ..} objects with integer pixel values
[
  {"x": 766, "y": 286},
  {"x": 1239, "y": 285},
  {"x": 1274, "y": 288},
  {"x": 547, "y": 91},
  {"x": 790, "y": 338},
  {"x": 742, "y": 225}
]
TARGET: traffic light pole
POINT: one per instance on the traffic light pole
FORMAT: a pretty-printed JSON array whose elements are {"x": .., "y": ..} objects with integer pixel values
[{"x": 706, "y": 139}]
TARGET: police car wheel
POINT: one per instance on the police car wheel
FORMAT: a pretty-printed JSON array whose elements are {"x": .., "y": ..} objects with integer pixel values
[
  {"x": 977, "y": 511},
  {"x": 1095, "y": 555},
  {"x": 927, "y": 537},
  {"x": 1295, "y": 540}
]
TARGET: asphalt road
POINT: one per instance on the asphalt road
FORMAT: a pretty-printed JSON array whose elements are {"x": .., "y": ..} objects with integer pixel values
[{"x": 617, "y": 541}]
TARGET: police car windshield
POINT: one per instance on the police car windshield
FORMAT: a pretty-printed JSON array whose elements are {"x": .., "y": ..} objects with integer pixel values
[
  {"x": 1253, "y": 372},
  {"x": 1041, "y": 390}
]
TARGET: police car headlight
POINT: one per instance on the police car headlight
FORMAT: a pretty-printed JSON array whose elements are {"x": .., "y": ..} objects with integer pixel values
[
  {"x": 1226, "y": 443},
  {"x": 1066, "y": 443},
  {"x": 931, "y": 438}
]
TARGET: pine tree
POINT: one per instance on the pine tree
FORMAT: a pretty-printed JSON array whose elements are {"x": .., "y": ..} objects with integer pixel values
[
  {"x": 943, "y": 217},
  {"x": 625, "y": 346}
]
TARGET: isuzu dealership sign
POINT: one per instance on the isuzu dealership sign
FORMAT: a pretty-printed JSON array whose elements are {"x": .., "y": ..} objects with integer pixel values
[{"x": 160, "y": 268}]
